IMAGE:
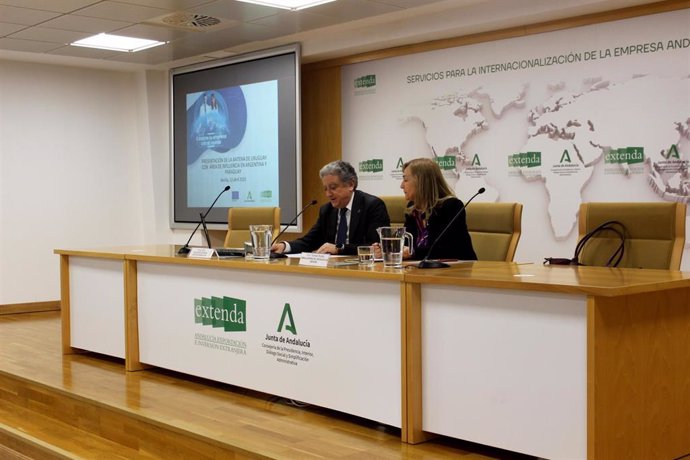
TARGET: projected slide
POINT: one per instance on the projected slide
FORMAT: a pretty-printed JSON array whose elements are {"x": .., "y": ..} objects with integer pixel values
[{"x": 232, "y": 139}]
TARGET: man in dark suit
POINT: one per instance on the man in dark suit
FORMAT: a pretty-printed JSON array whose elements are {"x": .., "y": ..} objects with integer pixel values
[{"x": 349, "y": 219}]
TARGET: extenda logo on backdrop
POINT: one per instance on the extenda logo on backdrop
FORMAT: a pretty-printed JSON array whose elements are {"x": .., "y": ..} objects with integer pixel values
[
  {"x": 446, "y": 162},
  {"x": 525, "y": 160},
  {"x": 629, "y": 155},
  {"x": 366, "y": 81},
  {"x": 371, "y": 166},
  {"x": 225, "y": 312}
]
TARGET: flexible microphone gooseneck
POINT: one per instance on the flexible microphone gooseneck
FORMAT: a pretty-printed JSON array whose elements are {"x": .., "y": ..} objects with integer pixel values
[
  {"x": 275, "y": 254},
  {"x": 185, "y": 249},
  {"x": 425, "y": 262}
]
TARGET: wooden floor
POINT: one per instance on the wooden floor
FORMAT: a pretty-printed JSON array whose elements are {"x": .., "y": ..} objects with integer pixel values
[{"x": 249, "y": 424}]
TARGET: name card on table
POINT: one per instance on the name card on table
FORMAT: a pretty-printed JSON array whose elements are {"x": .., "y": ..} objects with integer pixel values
[
  {"x": 314, "y": 260},
  {"x": 200, "y": 253}
]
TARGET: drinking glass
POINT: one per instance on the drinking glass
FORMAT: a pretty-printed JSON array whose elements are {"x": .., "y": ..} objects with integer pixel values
[
  {"x": 366, "y": 255},
  {"x": 262, "y": 235}
]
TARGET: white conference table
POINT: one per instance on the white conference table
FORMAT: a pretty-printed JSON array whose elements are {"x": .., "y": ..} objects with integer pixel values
[
  {"x": 557, "y": 362},
  {"x": 324, "y": 336}
]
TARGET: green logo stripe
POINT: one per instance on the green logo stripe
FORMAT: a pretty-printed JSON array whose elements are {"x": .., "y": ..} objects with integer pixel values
[{"x": 197, "y": 306}]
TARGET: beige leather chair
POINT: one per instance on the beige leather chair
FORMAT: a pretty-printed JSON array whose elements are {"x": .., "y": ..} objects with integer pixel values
[
  {"x": 656, "y": 234},
  {"x": 396, "y": 206},
  {"x": 495, "y": 229},
  {"x": 239, "y": 220}
]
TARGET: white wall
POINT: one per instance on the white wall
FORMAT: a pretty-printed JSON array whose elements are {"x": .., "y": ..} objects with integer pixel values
[{"x": 84, "y": 162}]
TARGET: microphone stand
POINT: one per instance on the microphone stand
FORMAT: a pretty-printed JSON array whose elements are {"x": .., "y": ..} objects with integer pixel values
[
  {"x": 185, "y": 249},
  {"x": 203, "y": 225},
  {"x": 425, "y": 262}
]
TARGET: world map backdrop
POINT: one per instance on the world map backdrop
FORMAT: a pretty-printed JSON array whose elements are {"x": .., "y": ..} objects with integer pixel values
[{"x": 551, "y": 120}]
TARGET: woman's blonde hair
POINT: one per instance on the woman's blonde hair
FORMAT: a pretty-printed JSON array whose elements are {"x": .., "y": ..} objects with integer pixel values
[{"x": 431, "y": 186}]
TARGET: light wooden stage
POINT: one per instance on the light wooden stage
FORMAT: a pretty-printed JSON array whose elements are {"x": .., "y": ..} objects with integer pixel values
[{"x": 88, "y": 406}]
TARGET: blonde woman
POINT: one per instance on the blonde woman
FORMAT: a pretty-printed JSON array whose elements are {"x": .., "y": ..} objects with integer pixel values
[{"x": 432, "y": 205}]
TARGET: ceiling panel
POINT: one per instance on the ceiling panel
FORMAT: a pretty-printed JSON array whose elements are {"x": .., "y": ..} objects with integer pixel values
[
  {"x": 326, "y": 31},
  {"x": 30, "y": 46},
  {"x": 82, "y": 52},
  {"x": 291, "y": 22},
  {"x": 7, "y": 29},
  {"x": 354, "y": 9},
  {"x": 59, "y": 6},
  {"x": 415, "y": 3},
  {"x": 161, "y": 34},
  {"x": 121, "y": 12},
  {"x": 24, "y": 16},
  {"x": 172, "y": 5},
  {"x": 153, "y": 56},
  {"x": 232, "y": 9},
  {"x": 84, "y": 24},
  {"x": 221, "y": 39},
  {"x": 47, "y": 34}
]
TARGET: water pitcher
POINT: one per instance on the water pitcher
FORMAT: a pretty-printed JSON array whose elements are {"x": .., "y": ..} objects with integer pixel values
[{"x": 392, "y": 243}]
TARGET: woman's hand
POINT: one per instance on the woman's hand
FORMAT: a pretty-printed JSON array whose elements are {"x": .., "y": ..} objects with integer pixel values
[{"x": 378, "y": 254}]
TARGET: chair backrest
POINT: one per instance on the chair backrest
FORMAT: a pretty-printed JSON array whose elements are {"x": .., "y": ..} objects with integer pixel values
[
  {"x": 655, "y": 234},
  {"x": 239, "y": 220},
  {"x": 495, "y": 229},
  {"x": 396, "y": 205}
]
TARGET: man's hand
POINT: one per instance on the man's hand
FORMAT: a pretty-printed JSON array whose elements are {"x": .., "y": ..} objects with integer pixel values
[
  {"x": 278, "y": 247},
  {"x": 327, "y": 248}
]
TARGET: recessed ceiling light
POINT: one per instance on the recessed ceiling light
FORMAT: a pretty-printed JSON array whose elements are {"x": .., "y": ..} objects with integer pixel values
[
  {"x": 117, "y": 43},
  {"x": 293, "y": 5}
]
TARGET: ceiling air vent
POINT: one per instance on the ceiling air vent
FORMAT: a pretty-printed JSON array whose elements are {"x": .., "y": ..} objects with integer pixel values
[{"x": 191, "y": 21}]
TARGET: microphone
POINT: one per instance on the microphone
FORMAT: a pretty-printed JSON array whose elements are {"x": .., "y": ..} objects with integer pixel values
[
  {"x": 276, "y": 255},
  {"x": 185, "y": 249},
  {"x": 425, "y": 262}
]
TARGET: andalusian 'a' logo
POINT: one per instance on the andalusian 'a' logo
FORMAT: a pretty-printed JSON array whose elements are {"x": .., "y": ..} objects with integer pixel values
[
  {"x": 225, "y": 312},
  {"x": 565, "y": 157},
  {"x": 400, "y": 163},
  {"x": 476, "y": 161},
  {"x": 672, "y": 152},
  {"x": 287, "y": 321}
]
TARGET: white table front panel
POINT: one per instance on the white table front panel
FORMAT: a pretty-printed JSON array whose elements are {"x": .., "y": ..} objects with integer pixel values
[
  {"x": 352, "y": 328},
  {"x": 97, "y": 305},
  {"x": 506, "y": 368}
]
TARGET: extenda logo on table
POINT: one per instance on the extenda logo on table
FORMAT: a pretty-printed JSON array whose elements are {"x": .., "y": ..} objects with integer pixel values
[{"x": 226, "y": 312}]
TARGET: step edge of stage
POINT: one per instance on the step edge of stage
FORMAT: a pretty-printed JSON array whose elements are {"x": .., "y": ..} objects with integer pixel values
[{"x": 238, "y": 448}]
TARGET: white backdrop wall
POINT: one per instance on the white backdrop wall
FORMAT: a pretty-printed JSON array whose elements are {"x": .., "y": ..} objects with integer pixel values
[
  {"x": 574, "y": 96},
  {"x": 83, "y": 163}
]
